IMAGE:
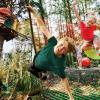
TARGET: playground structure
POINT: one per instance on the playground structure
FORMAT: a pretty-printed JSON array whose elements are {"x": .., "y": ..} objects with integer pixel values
[
  {"x": 46, "y": 93},
  {"x": 8, "y": 26}
]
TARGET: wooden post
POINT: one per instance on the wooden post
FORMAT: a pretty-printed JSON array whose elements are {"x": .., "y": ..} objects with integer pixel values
[
  {"x": 1, "y": 44},
  {"x": 32, "y": 33}
]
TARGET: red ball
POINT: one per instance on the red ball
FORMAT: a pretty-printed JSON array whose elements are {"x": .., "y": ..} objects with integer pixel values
[{"x": 86, "y": 62}]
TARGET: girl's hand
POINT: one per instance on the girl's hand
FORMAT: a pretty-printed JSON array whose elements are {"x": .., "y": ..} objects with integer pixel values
[
  {"x": 30, "y": 8},
  {"x": 74, "y": 2}
]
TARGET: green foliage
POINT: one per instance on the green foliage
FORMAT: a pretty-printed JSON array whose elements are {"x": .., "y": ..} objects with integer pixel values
[
  {"x": 85, "y": 77},
  {"x": 77, "y": 90}
]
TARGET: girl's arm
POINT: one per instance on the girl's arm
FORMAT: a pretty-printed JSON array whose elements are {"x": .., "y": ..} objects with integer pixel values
[
  {"x": 76, "y": 10},
  {"x": 40, "y": 23},
  {"x": 98, "y": 27}
]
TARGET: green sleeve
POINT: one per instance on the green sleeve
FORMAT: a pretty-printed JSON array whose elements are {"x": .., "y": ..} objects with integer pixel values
[{"x": 52, "y": 41}]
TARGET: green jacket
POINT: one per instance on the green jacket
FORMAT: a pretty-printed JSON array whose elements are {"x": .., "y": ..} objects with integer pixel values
[{"x": 48, "y": 61}]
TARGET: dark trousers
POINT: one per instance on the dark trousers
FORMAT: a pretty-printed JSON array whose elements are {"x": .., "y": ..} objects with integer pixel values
[{"x": 35, "y": 71}]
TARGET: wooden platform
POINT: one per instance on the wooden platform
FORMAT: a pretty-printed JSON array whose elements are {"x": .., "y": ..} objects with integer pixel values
[{"x": 84, "y": 76}]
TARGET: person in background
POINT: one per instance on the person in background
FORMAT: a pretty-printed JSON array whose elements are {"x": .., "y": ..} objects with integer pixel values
[
  {"x": 87, "y": 28},
  {"x": 78, "y": 43}
]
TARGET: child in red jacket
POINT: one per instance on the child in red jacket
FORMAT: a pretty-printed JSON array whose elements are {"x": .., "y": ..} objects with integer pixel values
[{"x": 87, "y": 29}]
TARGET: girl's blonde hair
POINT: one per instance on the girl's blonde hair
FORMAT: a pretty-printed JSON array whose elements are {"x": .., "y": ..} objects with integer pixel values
[
  {"x": 71, "y": 46},
  {"x": 91, "y": 15}
]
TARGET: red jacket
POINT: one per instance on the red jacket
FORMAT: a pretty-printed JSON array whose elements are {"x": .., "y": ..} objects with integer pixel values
[{"x": 87, "y": 33}]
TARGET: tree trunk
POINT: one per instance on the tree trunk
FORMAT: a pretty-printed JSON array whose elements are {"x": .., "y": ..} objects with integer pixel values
[{"x": 69, "y": 11}]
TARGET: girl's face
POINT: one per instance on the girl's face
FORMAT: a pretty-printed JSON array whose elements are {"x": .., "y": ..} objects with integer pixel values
[
  {"x": 91, "y": 22},
  {"x": 61, "y": 47}
]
